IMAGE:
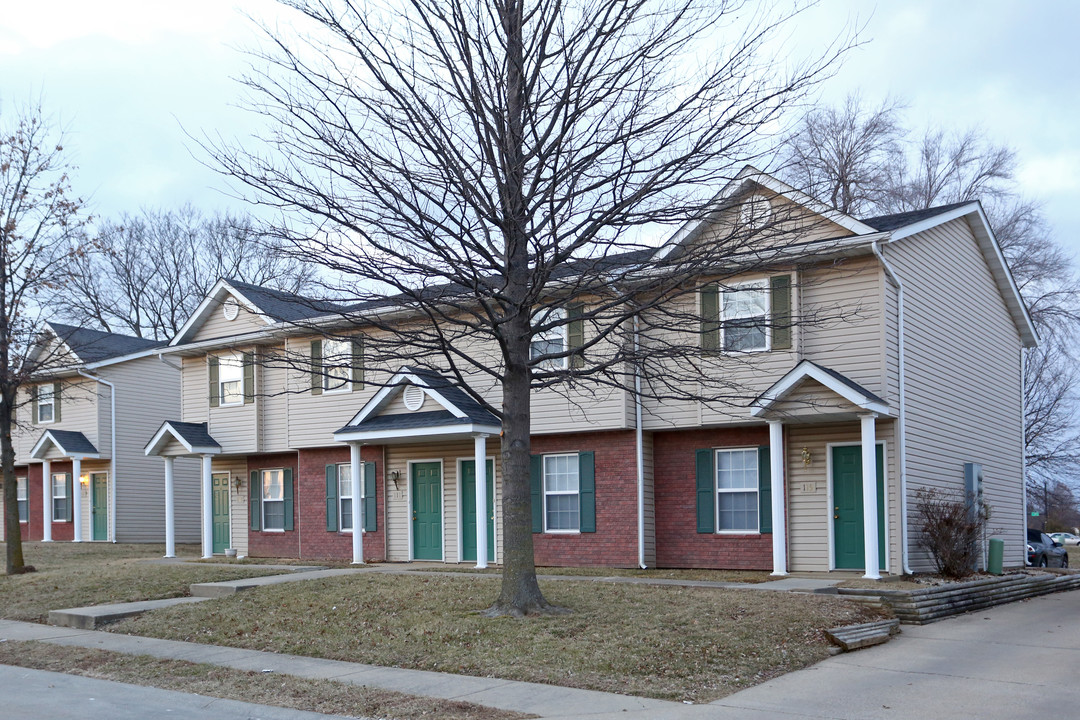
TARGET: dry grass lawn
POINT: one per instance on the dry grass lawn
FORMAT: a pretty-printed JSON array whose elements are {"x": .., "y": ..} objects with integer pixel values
[
  {"x": 78, "y": 574},
  {"x": 324, "y": 696},
  {"x": 667, "y": 642}
]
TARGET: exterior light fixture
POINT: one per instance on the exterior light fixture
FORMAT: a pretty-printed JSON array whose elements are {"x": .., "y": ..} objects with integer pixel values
[{"x": 807, "y": 456}]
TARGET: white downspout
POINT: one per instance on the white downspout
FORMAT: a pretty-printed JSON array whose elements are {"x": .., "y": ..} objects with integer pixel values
[
  {"x": 640, "y": 453},
  {"x": 112, "y": 452},
  {"x": 902, "y": 421},
  {"x": 1023, "y": 440}
]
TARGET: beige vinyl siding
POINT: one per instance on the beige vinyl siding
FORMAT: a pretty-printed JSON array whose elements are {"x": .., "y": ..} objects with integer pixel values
[
  {"x": 270, "y": 380},
  {"x": 399, "y": 512},
  {"x": 235, "y": 427},
  {"x": 809, "y": 493},
  {"x": 963, "y": 377},
  {"x": 312, "y": 419},
  {"x": 79, "y": 411},
  {"x": 140, "y": 480},
  {"x": 236, "y": 467},
  {"x": 649, "y": 503},
  {"x": 216, "y": 326},
  {"x": 790, "y": 223},
  {"x": 88, "y": 467},
  {"x": 195, "y": 388},
  {"x": 811, "y": 400}
]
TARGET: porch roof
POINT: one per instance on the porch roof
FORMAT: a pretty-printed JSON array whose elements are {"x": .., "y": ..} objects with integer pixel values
[
  {"x": 834, "y": 381},
  {"x": 195, "y": 438},
  {"x": 69, "y": 442}
]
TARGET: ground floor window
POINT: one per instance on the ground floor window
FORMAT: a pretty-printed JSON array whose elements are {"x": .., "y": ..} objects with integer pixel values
[
  {"x": 23, "y": 498},
  {"x": 345, "y": 500},
  {"x": 273, "y": 499},
  {"x": 737, "y": 490},
  {"x": 562, "y": 506},
  {"x": 61, "y": 483}
]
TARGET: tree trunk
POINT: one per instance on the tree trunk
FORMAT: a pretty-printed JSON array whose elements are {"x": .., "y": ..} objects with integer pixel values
[{"x": 12, "y": 530}]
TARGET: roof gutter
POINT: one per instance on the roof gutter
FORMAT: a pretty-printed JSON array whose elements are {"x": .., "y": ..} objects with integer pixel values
[
  {"x": 112, "y": 451},
  {"x": 902, "y": 421}
]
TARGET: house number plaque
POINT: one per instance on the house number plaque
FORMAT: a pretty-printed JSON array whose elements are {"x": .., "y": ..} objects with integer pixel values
[{"x": 809, "y": 487}]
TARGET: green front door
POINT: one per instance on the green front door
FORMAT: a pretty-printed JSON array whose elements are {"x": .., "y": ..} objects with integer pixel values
[
  {"x": 468, "y": 510},
  {"x": 427, "y": 511},
  {"x": 99, "y": 506},
  {"x": 220, "y": 511},
  {"x": 848, "y": 507}
]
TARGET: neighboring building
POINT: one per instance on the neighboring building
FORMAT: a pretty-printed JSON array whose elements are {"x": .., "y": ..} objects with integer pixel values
[
  {"x": 916, "y": 382},
  {"x": 81, "y": 470}
]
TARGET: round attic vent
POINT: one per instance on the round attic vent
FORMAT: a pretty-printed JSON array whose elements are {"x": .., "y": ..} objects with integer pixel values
[
  {"x": 230, "y": 309},
  {"x": 755, "y": 212},
  {"x": 414, "y": 397}
]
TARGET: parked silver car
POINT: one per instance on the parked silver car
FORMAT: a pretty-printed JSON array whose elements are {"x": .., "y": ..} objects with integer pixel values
[{"x": 1065, "y": 538}]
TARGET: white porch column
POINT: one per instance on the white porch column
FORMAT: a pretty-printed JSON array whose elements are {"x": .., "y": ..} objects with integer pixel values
[
  {"x": 870, "y": 502},
  {"x": 356, "y": 469},
  {"x": 46, "y": 501},
  {"x": 76, "y": 498},
  {"x": 480, "y": 461},
  {"x": 207, "y": 507},
  {"x": 776, "y": 475},
  {"x": 170, "y": 510}
]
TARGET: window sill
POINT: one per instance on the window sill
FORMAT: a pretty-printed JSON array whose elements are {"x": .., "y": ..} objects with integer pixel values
[
  {"x": 230, "y": 405},
  {"x": 271, "y": 530},
  {"x": 740, "y": 533},
  {"x": 560, "y": 533}
]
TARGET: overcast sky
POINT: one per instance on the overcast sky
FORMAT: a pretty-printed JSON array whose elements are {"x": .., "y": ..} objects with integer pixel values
[{"x": 127, "y": 78}]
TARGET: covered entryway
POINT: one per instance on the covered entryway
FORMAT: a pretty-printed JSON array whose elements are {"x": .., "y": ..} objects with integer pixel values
[
  {"x": 847, "y": 500},
  {"x": 220, "y": 512},
  {"x": 99, "y": 506},
  {"x": 76, "y": 448},
  {"x": 426, "y": 489},
  {"x": 468, "y": 509}
]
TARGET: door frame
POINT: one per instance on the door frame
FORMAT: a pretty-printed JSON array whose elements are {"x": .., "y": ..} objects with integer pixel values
[
  {"x": 442, "y": 505},
  {"x": 885, "y": 486},
  {"x": 494, "y": 509},
  {"x": 108, "y": 489},
  {"x": 228, "y": 505}
]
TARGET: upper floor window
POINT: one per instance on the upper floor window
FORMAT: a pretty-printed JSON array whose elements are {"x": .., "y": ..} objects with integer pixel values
[
  {"x": 231, "y": 379},
  {"x": 747, "y": 317},
  {"x": 46, "y": 403},
  {"x": 337, "y": 365},
  {"x": 23, "y": 499},
  {"x": 552, "y": 341}
]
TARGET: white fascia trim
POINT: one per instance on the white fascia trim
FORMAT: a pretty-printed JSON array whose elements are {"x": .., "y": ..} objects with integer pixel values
[
  {"x": 48, "y": 438},
  {"x": 379, "y": 399},
  {"x": 438, "y": 430},
  {"x": 152, "y": 447},
  {"x": 804, "y": 370},
  {"x": 204, "y": 307},
  {"x": 988, "y": 243}
]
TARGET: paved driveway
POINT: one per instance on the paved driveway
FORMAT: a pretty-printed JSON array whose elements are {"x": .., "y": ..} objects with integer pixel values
[{"x": 1015, "y": 661}]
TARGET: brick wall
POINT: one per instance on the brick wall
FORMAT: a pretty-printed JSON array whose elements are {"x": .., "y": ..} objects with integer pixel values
[
  {"x": 614, "y": 543},
  {"x": 678, "y": 544},
  {"x": 277, "y": 543},
  {"x": 316, "y": 541},
  {"x": 33, "y": 530}
]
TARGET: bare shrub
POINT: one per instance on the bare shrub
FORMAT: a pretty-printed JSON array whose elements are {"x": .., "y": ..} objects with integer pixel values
[{"x": 952, "y": 529}]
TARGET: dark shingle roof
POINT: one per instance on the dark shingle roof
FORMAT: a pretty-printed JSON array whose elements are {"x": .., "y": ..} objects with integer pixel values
[
  {"x": 196, "y": 434},
  {"x": 74, "y": 443},
  {"x": 96, "y": 345},
  {"x": 884, "y": 223},
  {"x": 284, "y": 306},
  {"x": 474, "y": 411},
  {"x": 409, "y": 421}
]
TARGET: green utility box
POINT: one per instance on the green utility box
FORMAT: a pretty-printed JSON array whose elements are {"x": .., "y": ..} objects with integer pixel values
[{"x": 994, "y": 557}]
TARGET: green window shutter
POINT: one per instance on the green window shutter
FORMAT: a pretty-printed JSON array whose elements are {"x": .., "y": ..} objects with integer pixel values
[
  {"x": 706, "y": 490},
  {"x": 536, "y": 476},
  {"x": 215, "y": 388},
  {"x": 764, "y": 464},
  {"x": 69, "y": 502},
  {"x": 710, "y": 318},
  {"x": 56, "y": 402},
  {"x": 781, "y": 312},
  {"x": 288, "y": 488},
  {"x": 575, "y": 335},
  {"x": 358, "y": 363},
  {"x": 587, "y": 491},
  {"x": 33, "y": 405},
  {"x": 249, "y": 377},
  {"x": 255, "y": 502},
  {"x": 370, "y": 505},
  {"x": 316, "y": 367},
  {"x": 331, "y": 498}
]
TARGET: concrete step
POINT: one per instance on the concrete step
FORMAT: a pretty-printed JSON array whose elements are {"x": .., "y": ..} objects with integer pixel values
[
  {"x": 231, "y": 587},
  {"x": 853, "y": 637},
  {"x": 94, "y": 616}
]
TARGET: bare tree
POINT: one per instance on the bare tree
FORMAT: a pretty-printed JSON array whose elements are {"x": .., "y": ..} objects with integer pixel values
[
  {"x": 40, "y": 226},
  {"x": 148, "y": 272},
  {"x": 476, "y": 169},
  {"x": 888, "y": 172}
]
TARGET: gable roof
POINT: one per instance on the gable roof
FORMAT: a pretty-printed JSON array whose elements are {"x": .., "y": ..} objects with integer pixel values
[
  {"x": 69, "y": 442},
  {"x": 92, "y": 346},
  {"x": 839, "y": 383},
  {"x": 194, "y": 437},
  {"x": 283, "y": 306},
  {"x": 899, "y": 220}
]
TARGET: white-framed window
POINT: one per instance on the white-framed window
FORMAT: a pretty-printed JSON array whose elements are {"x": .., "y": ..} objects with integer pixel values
[
  {"x": 337, "y": 365},
  {"x": 345, "y": 499},
  {"x": 23, "y": 499},
  {"x": 46, "y": 403},
  {"x": 562, "y": 496},
  {"x": 231, "y": 379},
  {"x": 273, "y": 499},
  {"x": 60, "y": 497},
  {"x": 737, "y": 490},
  {"x": 551, "y": 342},
  {"x": 745, "y": 316}
]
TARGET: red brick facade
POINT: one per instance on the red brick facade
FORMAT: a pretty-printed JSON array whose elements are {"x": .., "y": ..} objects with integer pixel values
[
  {"x": 276, "y": 543},
  {"x": 678, "y": 544},
  {"x": 32, "y": 530},
  {"x": 316, "y": 541}
]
